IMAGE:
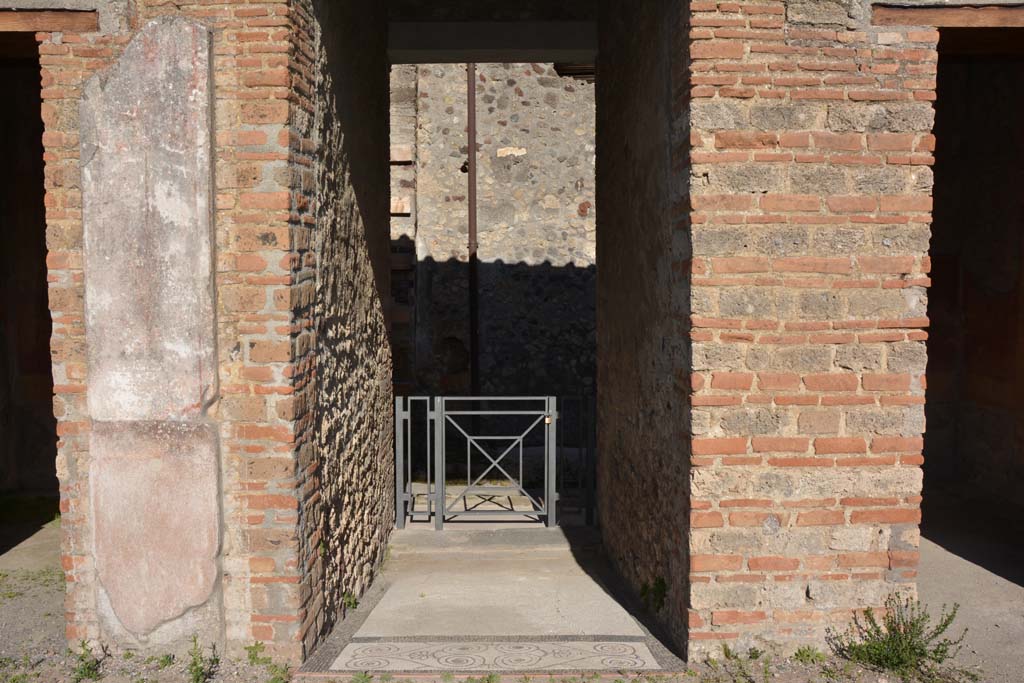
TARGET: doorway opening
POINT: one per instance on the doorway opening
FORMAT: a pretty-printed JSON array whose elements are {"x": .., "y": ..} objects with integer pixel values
[
  {"x": 494, "y": 284},
  {"x": 564, "y": 142},
  {"x": 28, "y": 480},
  {"x": 974, "y": 446}
]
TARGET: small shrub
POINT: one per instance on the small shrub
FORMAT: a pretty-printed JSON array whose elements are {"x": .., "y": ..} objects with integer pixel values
[
  {"x": 808, "y": 654},
  {"x": 279, "y": 674},
  {"x": 350, "y": 601},
  {"x": 200, "y": 667},
  {"x": 88, "y": 667},
  {"x": 905, "y": 642}
]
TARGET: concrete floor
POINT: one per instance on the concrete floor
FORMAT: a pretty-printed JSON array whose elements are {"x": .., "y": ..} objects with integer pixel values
[
  {"x": 977, "y": 561},
  {"x": 489, "y": 597}
]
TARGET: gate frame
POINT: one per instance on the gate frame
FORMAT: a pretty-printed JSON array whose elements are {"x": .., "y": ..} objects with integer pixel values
[{"x": 437, "y": 419}]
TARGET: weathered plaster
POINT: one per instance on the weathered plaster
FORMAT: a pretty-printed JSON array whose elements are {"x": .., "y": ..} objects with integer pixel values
[{"x": 154, "y": 472}]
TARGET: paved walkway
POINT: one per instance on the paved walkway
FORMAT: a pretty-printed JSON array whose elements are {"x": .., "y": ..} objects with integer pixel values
[
  {"x": 494, "y": 599},
  {"x": 973, "y": 556}
]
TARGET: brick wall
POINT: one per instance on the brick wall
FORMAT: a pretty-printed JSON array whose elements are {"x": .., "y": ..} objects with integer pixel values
[
  {"x": 258, "y": 253},
  {"x": 811, "y": 147}
]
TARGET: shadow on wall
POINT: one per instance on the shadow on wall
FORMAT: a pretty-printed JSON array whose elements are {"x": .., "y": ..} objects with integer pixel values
[{"x": 536, "y": 333}]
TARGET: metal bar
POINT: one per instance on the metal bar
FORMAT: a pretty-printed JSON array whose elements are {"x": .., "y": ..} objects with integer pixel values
[
  {"x": 488, "y": 399},
  {"x": 540, "y": 413},
  {"x": 474, "y": 295},
  {"x": 439, "y": 426},
  {"x": 476, "y": 513},
  {"x": 399, "y": 463},
  {"x": 550, "y": 454},
  {"x": 591, "y": 460}
]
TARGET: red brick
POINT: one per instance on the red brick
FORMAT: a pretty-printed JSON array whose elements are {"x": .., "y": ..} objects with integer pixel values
[
  {"x": 864, "y": 559},
  {"x": 719, "y": 617},
  {"x": 831, "y": 382},
  {"x": 712, "y": 563},
  {"x": 840, "y": 444},
  {"x": 773, "y": 563},
  {"x": 886, "y": 382},
  {"x": 790, "y": 202},
  {"x": 717, "y": 50},
  {"x": 886, "y": 264},
  {"x": 744, "y": 139},
  {"x": 886, "y": 516},
  {"x": 812, "y": 264},
  {"x": 894, "y": 444},
  {"x": 722, "y": 446},
  {"x": 732, "y": 380},
  {"x": 741, "y": 264},
  {"x": 820, "y": 518},
  {"x": 779, "y": 444},
  {"x": 774, "y": 381},
  {"x": 704, "y": 520}
]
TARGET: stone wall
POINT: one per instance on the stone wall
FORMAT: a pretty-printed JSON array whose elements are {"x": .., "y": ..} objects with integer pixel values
[
  {"x": 536, "y": 216},
  {"x": 642, "y": 304},
  {"x": 27, "y": 426},
  {"x": 975, "y": 444},
  {"x": 811, "y": 196},
  {"x": 344, "y": 359}
]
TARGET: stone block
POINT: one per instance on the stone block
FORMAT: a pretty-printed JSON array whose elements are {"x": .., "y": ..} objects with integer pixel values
[
  {"x": 156, "y": 516},
  {"x": 147, "y": 213}
]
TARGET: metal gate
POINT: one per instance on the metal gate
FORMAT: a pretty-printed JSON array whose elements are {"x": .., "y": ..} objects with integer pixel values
[{"x": 496, "y": 454}]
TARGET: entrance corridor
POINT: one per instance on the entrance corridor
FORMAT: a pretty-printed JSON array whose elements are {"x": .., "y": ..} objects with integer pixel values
[{"x": 494, "y": 597}]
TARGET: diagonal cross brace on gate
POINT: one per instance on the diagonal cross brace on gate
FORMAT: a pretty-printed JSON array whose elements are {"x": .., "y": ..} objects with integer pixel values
[{"x": 443, "y": 422}]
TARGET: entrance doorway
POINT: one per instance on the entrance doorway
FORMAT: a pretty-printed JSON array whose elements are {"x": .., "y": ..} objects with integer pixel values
[
  {"x": 491, "y": 595},
  {"x": 28, "y": 481},
  {"x": 974, "y": 445}
]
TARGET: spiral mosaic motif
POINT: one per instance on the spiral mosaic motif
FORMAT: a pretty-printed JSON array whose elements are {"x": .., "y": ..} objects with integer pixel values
[{"x": 495, "y": 656}]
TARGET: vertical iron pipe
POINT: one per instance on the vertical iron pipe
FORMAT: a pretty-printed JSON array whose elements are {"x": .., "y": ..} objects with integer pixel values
[{"x": 474, "y": 303}]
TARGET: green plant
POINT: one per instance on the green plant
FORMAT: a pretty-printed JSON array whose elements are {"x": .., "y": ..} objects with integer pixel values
[
  {"x": 88, "y": 667},
  {"x": 350, "y": 601},
  {"x": 361, "y": 677},
  {"x": 905, "y": 642},
  {"x": 255, "y": 654},
  {"x": 279, "y": 674},
  {"x": 653, "y": 596},
  {"x": 162, "y": 662},
  {"x": 808, "y": 654},
  {"x": 200, "y": 667}
]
